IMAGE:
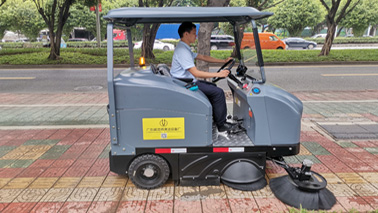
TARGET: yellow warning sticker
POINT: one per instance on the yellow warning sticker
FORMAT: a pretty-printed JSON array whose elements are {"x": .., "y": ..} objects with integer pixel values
[{"x": 163, "y": 128}]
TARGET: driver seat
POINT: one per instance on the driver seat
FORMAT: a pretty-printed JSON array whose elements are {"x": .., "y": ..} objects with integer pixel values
[{"x": 163, "y": 69}]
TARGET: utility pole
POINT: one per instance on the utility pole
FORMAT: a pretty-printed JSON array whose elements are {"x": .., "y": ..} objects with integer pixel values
[{"x": 98, "y": 30}]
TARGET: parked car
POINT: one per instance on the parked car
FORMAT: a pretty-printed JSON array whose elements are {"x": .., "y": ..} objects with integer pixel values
[
  {"x": 77, "y": 39},
  {"x": 267, "y": 41},
  {"x": 221, "y": 42},
  {"x": 321, "y": 35},
  {"x": 299, "y": 43},
  {"x": 157, "y": 45}
]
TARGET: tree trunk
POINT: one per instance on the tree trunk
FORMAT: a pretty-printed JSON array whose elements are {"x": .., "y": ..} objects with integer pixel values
[
  {"x": 329, "y": 39},
  {"x": 373, "y": 30},
  {"x": 204, "y": 35},
  {"x": 149, "y": 34},
  {"x": 203, "y": 48},
  {"x": 339, "y": 31}
]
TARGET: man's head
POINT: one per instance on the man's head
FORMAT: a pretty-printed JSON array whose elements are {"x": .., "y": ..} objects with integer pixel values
[{"x": 187, "y": 31}]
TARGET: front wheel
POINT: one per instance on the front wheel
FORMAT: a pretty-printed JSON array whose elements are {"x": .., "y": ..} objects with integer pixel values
[
  {"x": 310, "y": 46},
  {"x": 279, "y": 48},
  {"x": 165, "y": 48},
  {"x": 213, "y": 47},
  {"x": 149, "y": 171}
]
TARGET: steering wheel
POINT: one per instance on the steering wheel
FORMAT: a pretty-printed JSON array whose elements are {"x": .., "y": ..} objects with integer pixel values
[{"x": 231, "y": 62}]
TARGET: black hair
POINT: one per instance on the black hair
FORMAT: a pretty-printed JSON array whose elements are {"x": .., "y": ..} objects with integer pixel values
[{"x": 185, "y": 27}]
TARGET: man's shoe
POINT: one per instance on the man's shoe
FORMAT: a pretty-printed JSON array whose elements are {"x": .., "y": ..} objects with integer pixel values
[{"x": 225, "y": 127}]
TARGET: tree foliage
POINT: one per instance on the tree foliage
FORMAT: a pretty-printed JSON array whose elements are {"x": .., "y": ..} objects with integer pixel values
[
  {"x": 55, "y": 14},
  {"x": 336, "y": 11},
  {"x": 150, "y": 30},
  {"x": 22, "y": 17},
  {"x": 361, "y": 17},
  {"x": 295, "y": 15}
]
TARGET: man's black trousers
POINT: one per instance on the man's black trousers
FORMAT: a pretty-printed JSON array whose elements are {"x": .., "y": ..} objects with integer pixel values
[{"x": 217, "y": 100}]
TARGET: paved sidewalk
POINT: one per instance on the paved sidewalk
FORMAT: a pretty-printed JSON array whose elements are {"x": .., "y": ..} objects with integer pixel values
[{"x": 54, "y": 158}]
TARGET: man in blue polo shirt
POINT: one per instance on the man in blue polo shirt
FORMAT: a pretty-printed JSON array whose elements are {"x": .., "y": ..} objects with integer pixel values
[{"x": 183, "y": 67}]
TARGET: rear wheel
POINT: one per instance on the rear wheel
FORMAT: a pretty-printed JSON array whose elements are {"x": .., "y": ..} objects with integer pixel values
[
  {"x": 279, "y": 48},
  {"x": 165, "y": 48},
  {"x": 149, "y": 171},
  {"x": 213, "y": 47},
  {"x": 310, "y": 46}
]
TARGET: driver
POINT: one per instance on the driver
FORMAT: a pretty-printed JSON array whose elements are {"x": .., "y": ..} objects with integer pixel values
[{"x": 183, "y": 67}]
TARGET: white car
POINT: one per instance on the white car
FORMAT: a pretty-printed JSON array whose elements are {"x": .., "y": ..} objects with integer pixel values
[
  {"x": 322, "y": 35},
  {"x": 157, "y": 45}
]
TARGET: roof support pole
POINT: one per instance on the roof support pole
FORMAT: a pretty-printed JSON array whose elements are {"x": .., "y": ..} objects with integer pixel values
[
  {"x": 130, "y": 44},
  {"x": 237, "y": 44},
  {"x": 110, "y": 75},
  {"x": 258, "y": 51}
]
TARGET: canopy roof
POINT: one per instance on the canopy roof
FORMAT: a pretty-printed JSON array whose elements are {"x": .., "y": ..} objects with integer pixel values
[{"x": 142, "y": 15}]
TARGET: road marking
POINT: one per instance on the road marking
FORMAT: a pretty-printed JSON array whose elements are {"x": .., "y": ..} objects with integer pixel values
[
  {"x": 349, "y": 75},
  {"x": 17, "y": 78}
]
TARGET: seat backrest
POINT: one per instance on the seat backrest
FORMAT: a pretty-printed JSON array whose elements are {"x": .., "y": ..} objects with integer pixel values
[{"x": 164, "y": 70}]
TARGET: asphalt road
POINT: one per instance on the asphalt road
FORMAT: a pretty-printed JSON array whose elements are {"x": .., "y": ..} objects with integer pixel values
[{"x": 291, "y": 78}]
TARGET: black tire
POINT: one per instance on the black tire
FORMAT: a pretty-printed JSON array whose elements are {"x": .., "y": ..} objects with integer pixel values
[
  {"x": 165, "y": 48},
  {"x": 213, "y": 47},
  {"x": 156, "y": 175},
  {"x": 279, "y": 48}
]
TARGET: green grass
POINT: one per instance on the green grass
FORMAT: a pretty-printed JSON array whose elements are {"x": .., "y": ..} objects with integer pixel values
[{"x": 38, "y": 56}]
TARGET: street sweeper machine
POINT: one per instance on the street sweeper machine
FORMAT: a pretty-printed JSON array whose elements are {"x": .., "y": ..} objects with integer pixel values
[{"x": 162, "y": 127}]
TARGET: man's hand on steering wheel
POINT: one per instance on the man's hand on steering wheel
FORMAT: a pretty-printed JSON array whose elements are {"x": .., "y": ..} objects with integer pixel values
[
  {"x": 230, "y": 61},
  {"x": 223, "y": 73}
]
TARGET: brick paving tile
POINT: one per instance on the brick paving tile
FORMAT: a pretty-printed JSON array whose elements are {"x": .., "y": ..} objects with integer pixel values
[
  {"x": 103, "y": 207},
  {"x": 189, "y": 206},
  {"x": 77, "y": 171},
  {"x": 109, "y": 194},
  {"x": 19, "y": 208},
  {"x": 350, "y": 178},
  {"x": 8, "y": 195},
  {"x": 364, "y": 189},
  {"x": 67, "y": 182},
  {"x": 4, "y": 181},
  {"x": 19, "y": 183},
  {"x": 43, "y": 183},
  {"x": 243, "y": 205},
  {"x": 54, "y": 172},
  {"x": 132, "y": 206},
  {"x": 270, "y": 205},
  {"x": 357, "y": 203},
  {"x": 57, "y": 195},
  {"x": 63, "y": 163},
  {"x": 10, "y": 172},
  {"x": 47, "y": 207},
  {"x": 83, "y": 194},
  {"x": 31, "y": 195},
  {"x": 215, "y": 205},
  {"x": 159, "y": 206},
  {"x": 75, "y": 207},
  {"x": 42, "y": 163},
  {"x": 334, "y": 164},
  {"x": 32, "y": 172},
  {"x": 372, "y": 200},
  {"x": 95, "y": 182}
]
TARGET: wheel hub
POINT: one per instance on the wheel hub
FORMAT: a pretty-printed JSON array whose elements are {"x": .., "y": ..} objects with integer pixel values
[{"x": 149, "y": 172}]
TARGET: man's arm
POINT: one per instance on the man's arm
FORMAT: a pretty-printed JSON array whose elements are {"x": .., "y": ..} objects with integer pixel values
[
  {"x": 212, "y": 59},
  {"x": 201, "y": 74}
]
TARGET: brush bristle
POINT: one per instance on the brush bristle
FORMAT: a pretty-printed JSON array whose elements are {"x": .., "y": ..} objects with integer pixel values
[{"x": 284, "y": 189}]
